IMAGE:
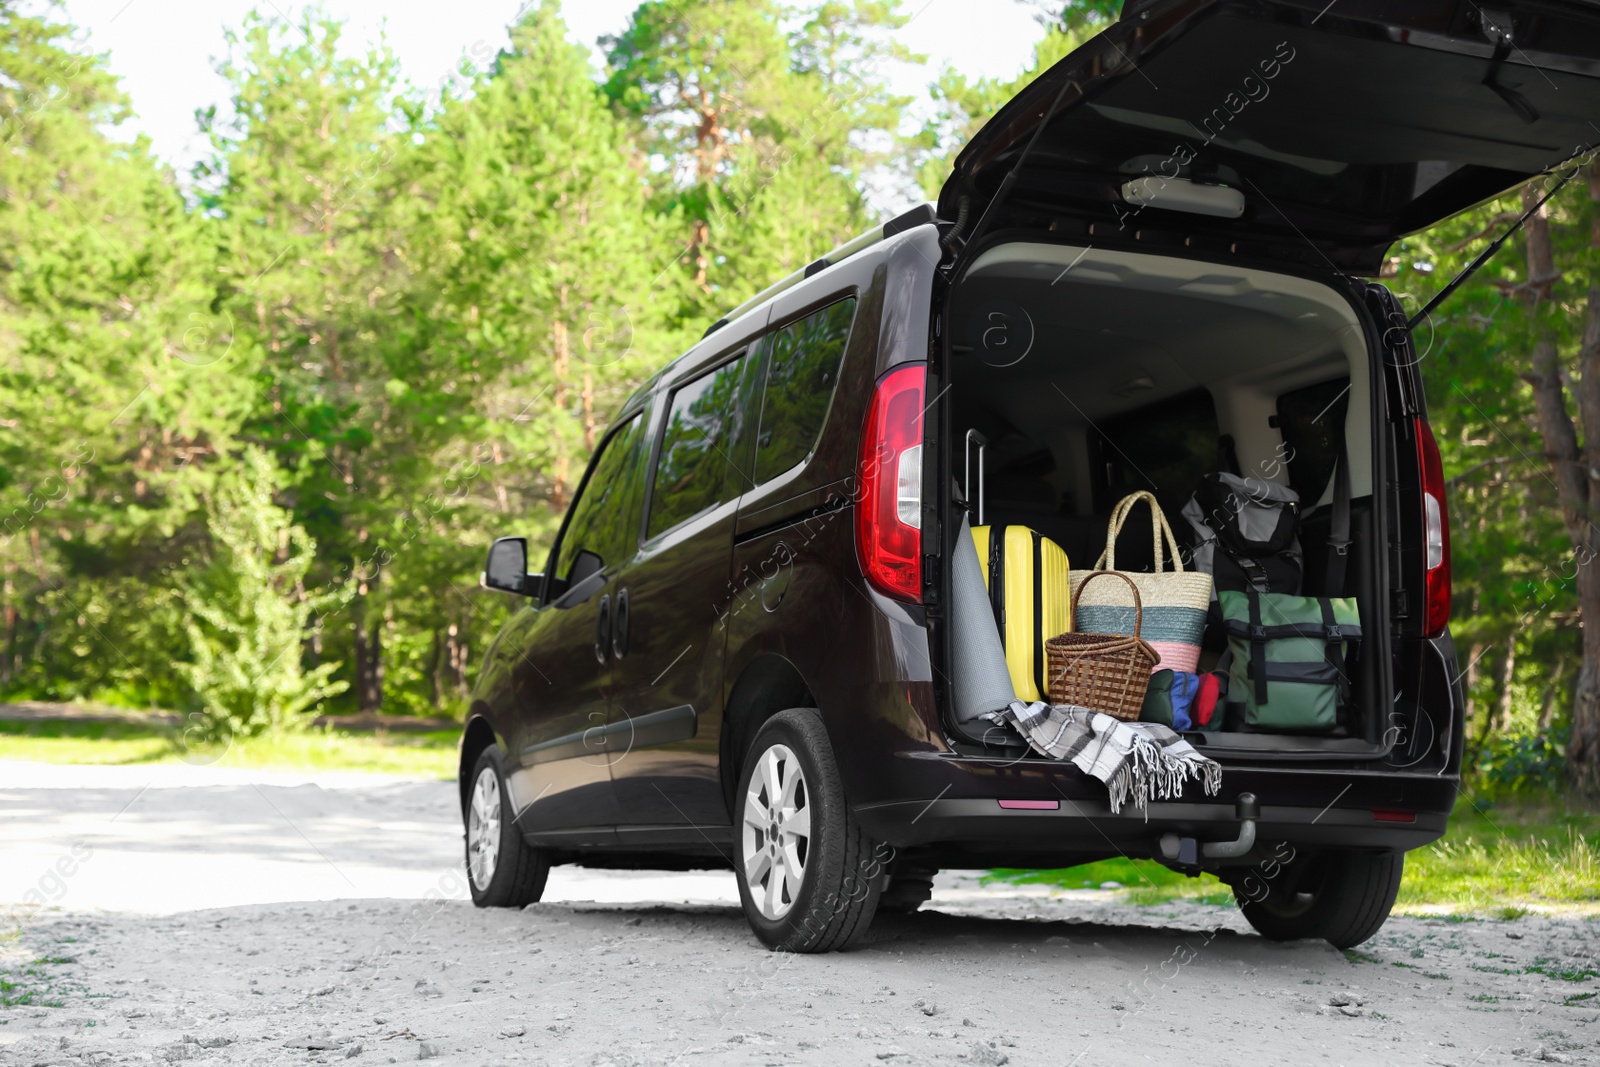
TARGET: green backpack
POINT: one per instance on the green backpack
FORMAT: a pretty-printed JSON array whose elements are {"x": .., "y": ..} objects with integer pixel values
[{"x": 1289, "y": 657}]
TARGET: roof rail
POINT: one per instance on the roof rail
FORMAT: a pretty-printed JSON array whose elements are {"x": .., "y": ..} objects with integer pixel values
[{"x": 920, "y": 215}]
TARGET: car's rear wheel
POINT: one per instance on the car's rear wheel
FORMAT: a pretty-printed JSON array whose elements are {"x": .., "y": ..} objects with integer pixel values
[
  {"x": 503, "y": 870},
  {"x": 1342, "y": 897},
  {"x": 809, "y": 876}
]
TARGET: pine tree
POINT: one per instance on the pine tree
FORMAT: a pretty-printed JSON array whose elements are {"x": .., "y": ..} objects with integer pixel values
[
  {"x": 247, "y": 612},
  {"x": 757, "y": 138},
  {"x": 119, "y": 378},
  {"x": 302, "y": 185}
]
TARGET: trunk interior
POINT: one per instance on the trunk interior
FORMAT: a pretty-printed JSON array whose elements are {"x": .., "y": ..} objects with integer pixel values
[{"x": 1095, "y": 373}]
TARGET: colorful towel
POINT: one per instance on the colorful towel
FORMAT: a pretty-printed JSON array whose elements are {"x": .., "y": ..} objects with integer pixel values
[{"x": 1138, "y": 761}]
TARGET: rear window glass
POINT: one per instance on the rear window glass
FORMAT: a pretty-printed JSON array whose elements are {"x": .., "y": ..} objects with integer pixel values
[
  {"x": 1165, "y": 448},
  {"x": 1311, "y": 421},
  {"x": 701, "y": 462},
  {"x": 802, "y": 374}
]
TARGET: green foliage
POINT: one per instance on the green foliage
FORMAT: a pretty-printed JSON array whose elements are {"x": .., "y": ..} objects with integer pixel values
[
  {"x": 963, "y": 105},
  {"x": 756, "y": 122},
  {"x": 424, "y": 311},
  {"x": 247, "y": 612},
  {"x": 1525, "y": 765},
  {"x": 1516, "y": 616}
]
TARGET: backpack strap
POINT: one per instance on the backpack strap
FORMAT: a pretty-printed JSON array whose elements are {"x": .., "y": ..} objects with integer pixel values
[
  {"x": 1333, "y": 637},
  {"x": 1339, "y": 527},
  {"x": 1258, "y": 648}
]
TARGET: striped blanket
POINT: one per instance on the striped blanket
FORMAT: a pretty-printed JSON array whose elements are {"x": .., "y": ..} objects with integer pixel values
[{"x": 1138, "y": 761}]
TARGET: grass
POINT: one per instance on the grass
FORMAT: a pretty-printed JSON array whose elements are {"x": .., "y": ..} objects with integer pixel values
[
  {"x": 1503, "y": 863},
  {"x": 427, "y": 754},
  {"x": 1137, "y": 881},
  {"x": 30, "y": 985}
]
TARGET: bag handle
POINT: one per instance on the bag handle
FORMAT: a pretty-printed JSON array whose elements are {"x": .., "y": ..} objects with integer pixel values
[
  {"x": 1138, "y": 605},
  {"x": 1158, "y": 526}
]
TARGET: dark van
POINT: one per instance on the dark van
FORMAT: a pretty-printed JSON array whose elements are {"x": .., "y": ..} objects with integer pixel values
[{"x": 1156, "y": 262}]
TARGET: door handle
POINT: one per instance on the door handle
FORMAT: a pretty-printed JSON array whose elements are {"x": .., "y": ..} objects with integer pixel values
[
  {"x": 619, "y": 625},
  {"x": 602, "y": 629}
]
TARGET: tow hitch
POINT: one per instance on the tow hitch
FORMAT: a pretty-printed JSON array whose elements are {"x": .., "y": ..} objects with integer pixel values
[{"x": 1186, "y": 851}]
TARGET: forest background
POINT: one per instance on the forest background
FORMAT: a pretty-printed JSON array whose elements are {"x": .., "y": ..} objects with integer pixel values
[{"x": 260, "y": 420}]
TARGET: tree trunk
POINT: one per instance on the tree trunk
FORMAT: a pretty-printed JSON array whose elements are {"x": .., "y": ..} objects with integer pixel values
[
  {"x": 369, "y": 666},
  {"x": 433, "y": 672},
  {"x": 588, "y": 411},
  {"x": 358, "y": 639},
  {"x": 456, "y": 658},
  {"x": 1552, "y": 696},
  {"x": 375, "y": 678},
  {"x": 561, "y": 342},
  {"x": 8, "y": 661},
  {"x": 1505, "y": 673},
  {"x": 1474, "y": 654},
  {"x": 1576, "y": 488}
]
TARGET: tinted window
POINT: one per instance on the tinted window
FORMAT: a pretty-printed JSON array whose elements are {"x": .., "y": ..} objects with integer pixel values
[
  {"x": 801, "y": 376},
  {"x": 605, "y": 517},
  {"x": 1312, "y": 423},
  {"x": 702, "y": 447},
  {"x": 1165, "y": 448}
]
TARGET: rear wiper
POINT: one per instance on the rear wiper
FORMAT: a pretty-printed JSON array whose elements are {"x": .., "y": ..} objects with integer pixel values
[{"x": 1488, "y": 253}]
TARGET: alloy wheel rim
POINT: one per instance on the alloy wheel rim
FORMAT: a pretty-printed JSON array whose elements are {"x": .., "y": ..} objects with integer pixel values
[
  {"x": 776, "y": 832},
  {"x": 483, "y": 829}
]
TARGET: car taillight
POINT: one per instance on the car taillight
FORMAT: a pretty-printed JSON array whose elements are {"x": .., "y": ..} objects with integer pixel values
[
  {"x": 1436, "y": 532},
  {"x": 889, "y": 507}
]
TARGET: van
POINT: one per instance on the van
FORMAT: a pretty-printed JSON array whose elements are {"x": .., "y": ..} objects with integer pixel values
[{"x": 1157, "y": 262}]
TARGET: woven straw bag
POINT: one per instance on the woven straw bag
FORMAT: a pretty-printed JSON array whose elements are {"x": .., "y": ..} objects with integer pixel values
[
  {"x": 1175, "y": 601},
  {"x": 1102, "y": 672}
]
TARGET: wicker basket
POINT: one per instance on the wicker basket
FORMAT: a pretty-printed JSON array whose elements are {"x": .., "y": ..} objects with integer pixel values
[{"x": 1103, "y": 672}]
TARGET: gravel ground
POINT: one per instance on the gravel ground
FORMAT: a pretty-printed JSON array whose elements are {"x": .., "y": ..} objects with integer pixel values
[{"x": 252, "y": 918}]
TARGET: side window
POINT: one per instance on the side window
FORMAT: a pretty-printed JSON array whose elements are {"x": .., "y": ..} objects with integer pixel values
[
  {"x": 702, "y": 446},
  {"x": 1312, "y": 423},
  {"x": 803, "y": 372},
  {"x": 605, "y": 517}
]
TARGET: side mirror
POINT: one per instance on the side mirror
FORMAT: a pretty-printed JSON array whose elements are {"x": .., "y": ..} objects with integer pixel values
[{"x": 507, "y": 569}]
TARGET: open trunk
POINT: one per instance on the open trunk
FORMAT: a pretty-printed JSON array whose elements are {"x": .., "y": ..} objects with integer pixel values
[{"x": 1095, "y": 373}]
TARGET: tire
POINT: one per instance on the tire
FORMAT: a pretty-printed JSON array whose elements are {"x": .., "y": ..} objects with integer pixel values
[
  {"x": 811, "y": 883},
  {"x": 1341, "y": 897},
  {"x": 503, "y": 870},
  {"x": 909, "y": 888}
]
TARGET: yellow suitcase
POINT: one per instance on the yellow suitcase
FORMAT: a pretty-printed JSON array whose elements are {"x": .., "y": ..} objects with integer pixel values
[{"x": 1029, "y": 585}]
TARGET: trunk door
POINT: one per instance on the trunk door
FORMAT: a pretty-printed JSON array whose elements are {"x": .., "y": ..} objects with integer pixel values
[{"x": 1304, "y": 131}]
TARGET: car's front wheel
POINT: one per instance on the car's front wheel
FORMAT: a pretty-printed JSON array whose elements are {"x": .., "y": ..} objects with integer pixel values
[
  {"x": 1342, "y": 897},
  {"x": 809, "y": 877},
  {"x": 503, "y": 870}
]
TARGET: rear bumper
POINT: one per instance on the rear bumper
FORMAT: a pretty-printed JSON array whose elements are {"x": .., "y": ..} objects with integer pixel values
[{"x": 1302, "y": 807}]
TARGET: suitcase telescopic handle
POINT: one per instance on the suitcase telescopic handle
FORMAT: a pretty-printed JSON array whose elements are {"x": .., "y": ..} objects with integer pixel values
[{"x": 975, "y": 438}]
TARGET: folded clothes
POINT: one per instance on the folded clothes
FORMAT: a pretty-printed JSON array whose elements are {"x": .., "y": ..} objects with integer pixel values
[
  {"x": 1170, "y": 698},
  {"x": 1138, "y": 761}
]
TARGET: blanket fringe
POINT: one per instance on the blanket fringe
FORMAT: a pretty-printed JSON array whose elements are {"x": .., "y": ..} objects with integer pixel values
[{"x": 1138, "y": 762}]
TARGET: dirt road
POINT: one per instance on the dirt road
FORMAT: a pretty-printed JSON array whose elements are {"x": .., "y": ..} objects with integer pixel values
[{"x": 233, "y": 918}]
